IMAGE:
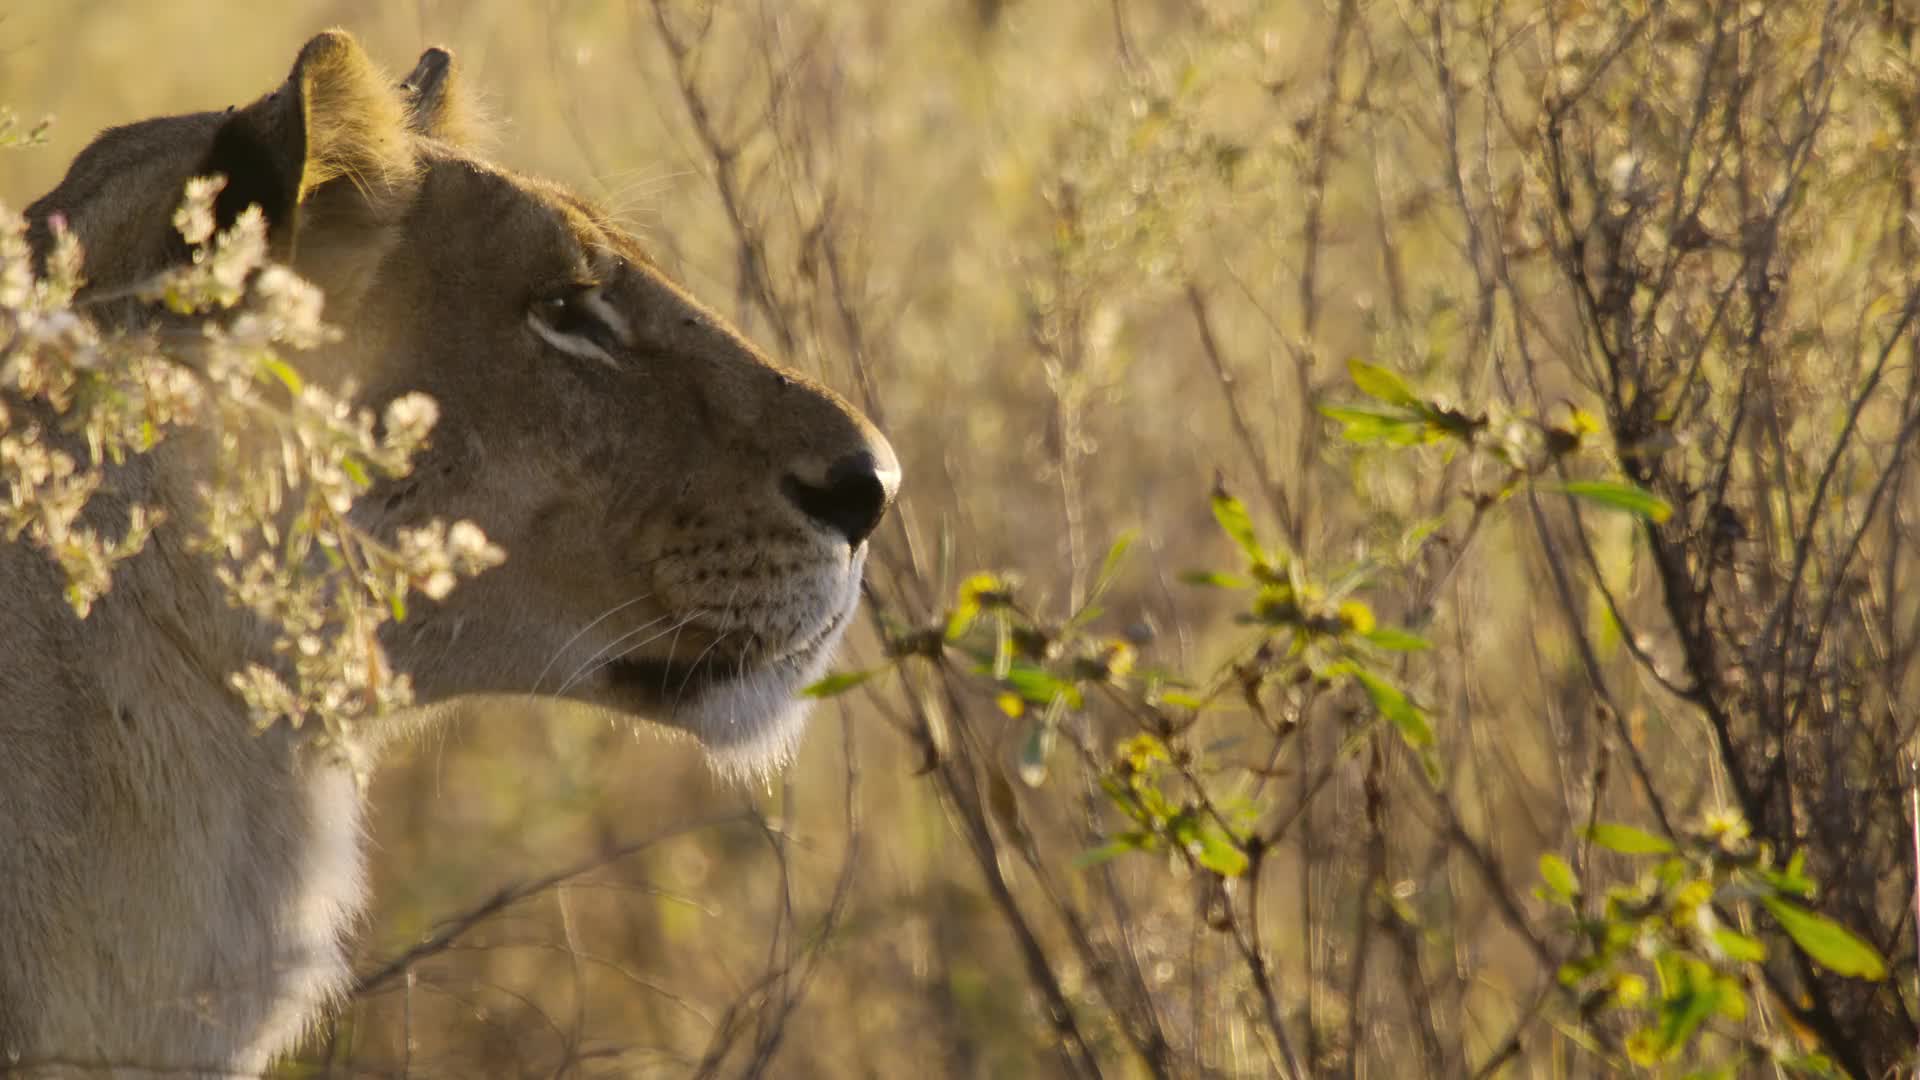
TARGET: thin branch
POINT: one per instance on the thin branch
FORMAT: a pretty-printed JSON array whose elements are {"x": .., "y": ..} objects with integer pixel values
[{"x": 453, "y": 927}]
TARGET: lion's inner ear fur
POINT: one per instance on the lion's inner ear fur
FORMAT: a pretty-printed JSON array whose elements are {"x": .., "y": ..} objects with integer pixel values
[
  {"x": 336, "y": 118},
  {"x": 329, "y": 159}
]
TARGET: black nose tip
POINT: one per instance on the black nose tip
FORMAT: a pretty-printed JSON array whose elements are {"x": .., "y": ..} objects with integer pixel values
[{"x": 853, "y": 499}]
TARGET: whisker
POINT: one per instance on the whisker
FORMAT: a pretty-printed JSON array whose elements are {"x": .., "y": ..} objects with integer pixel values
[
  {"x": 740, "y": 676},
  {"x": 694, "y": 668},
  {"x": 557, "y": 653},
  {"x": 667, "y": 667},
  {"x": 608, "y": 656},
  {"x": 674, "y": 630},
  {"x": 726, "y": 613},
  {"x": 591, "y": 661}
]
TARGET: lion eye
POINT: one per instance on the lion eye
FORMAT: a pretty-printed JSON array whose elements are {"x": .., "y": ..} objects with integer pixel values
[
  {"x": 570, "y": 313},
  {"x": 577, "y": 323}
]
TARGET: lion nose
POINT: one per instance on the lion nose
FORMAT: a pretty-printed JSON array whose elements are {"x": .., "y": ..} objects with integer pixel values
[{"x": 854, "y": 496}]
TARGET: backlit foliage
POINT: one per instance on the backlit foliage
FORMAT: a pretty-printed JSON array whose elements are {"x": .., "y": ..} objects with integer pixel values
[{"x": 285, "y": 458}]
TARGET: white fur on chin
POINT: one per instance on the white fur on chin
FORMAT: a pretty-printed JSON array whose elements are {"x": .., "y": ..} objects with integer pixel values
[{"x": 751, "y": 727}]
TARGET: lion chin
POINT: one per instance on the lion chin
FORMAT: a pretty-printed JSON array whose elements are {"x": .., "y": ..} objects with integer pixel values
[
  {"x": 751, "y": 725},
  {"x": 747, "y": 713}
]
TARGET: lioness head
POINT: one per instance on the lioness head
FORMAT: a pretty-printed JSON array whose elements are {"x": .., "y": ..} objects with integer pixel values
[{"x": 685, "y": 520}]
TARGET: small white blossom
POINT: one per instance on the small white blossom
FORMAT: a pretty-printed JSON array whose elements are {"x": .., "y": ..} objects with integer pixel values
[
  {"x": 409, "y": 418},
  {"x": 288, "y": 459}
]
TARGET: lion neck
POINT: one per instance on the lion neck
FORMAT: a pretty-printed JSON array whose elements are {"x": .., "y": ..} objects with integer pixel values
[
  {"x": 238, "y": 852},
  {"x": 167, "y": 641}
]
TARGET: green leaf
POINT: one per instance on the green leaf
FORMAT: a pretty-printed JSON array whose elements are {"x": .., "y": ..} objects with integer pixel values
[
  {"x": 975, "y": 595},
  {"x": 1831, "y": 945},
  {"x": 1690, "y": 994},
  {"x": 1231, "y": 513},
  {"x": 1559, "y": 876},
  {"x": 1732, "y": 1002},
  {"x": 960, "y": 620},
  {"x": 1112, "y": 849},
  {"x": 1739, "y": 946},
  {"x": 1212, "y": 847},
  {"x": 1380, "y": 384},
  {"x": 1219, "y": 855},
  {"x": 1395, "y": 639},
  {"x": 1366, "y": 424},
  {"x": 1277, "y": 606},
  {"x": 1628, "y": 840},
  {"x": 1394, "y": 705},
  {"x": 1110, "y": 567},
  {"x": 1040, "y": 686},
  {"x": 1809, "y": 1064},
  {"x": 839, "y": 683},
  {"x": 1573, "y": 971},
  {"x": 1415, "y": 537},
  {"x": 1793, "y": 879},
  {"x": 280, "y": 370},
  {"x": 1142, "y": 752},
  {"x": 1213, "y": 579},
  {"x": 1620, "y": 495}
]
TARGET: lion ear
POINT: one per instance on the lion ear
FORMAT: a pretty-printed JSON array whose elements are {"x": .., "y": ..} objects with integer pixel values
[
  {"x": 335, "y": 117},
  {"x": 436, "y": 107}
]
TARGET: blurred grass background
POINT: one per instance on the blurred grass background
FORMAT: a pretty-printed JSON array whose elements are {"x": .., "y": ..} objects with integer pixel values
[
  {"x": 1095, "y": 251},
  {"x": 958, "y": 125}
]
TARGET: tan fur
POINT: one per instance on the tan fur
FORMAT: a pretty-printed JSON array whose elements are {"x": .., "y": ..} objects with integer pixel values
[
  {"x": 175, "y": 890},
  {"x": 435, "y": 109},
  {"x": 356, "y": 125}
]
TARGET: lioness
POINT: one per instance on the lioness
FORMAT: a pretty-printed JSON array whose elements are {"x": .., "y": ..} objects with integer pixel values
[{"x": 174, "y": 890}]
